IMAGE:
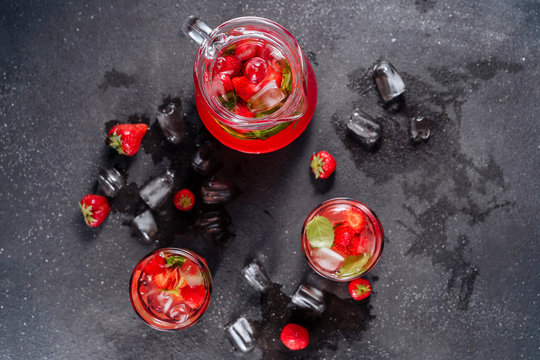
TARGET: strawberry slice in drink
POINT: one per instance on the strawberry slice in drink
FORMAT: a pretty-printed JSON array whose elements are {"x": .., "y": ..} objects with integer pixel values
[
  {"x": 191, "y": 273},
  {"x": 193, "y": 296},
  {"x": 242, "y": 110},
  {"x": 248, "y": 49},
  {"x": 223, "y": 88},
  {"x": 229, "y": 65}
]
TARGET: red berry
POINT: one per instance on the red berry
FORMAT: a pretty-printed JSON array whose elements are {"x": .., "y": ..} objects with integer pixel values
[
  {"x": 95, "y": 209},
  {"x": 155, "y": 266},
  {"x": 184, "y": 200},
  {"x": 248, "y": 49},
  {"x": 127, "y": 138},
  {"x": 255, "y": 69},
  {"x": 244, "y": 88},
  {"x": 343, "y": 238},
  {"x": 193, "y": 296},
  {"x": 222, "y": 84},
  {"x": 229, "y": 65},
  {"x": 294, "y": 336},
  {"x": 322, "y": 164},
  {"x": 359, "y": 289},
  {"x": 356, "y": 219},
  {"x": 359, "y": 244},
  {"x": 168, "y": 279}
]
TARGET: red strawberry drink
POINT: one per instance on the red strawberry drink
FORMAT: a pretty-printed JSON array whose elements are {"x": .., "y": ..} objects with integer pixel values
[
  {"x": 342, "y": 239},
  {"x": 254, "y": 88},
  {"x": 170, "y": 288}
]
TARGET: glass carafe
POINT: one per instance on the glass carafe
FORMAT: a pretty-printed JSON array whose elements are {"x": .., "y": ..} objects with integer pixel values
[{"x": 253, "y": 117}]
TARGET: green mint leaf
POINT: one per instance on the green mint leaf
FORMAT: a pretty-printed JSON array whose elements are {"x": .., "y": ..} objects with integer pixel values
[
  {"x": 175, "y": 261},
  {"x": 353, "y": 265},
  {"x": 320, "y": 232},
  {"x": 286, "y": 83},
  {"x": 229, "y": 100}
]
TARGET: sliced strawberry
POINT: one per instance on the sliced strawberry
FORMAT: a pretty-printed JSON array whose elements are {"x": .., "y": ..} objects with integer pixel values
[
  {"x": 343, "y": 237},
  {"x": 244, "y": 88},
  {"x": 242, "y": 110},
  {"x": 155, "y": 266},
  {"x": 95, "y": 209},
  {"x": 272, "y": 75},
  {"x": 167, "y": 280},
  {"x": 356, "y": 219},
  {"x": 294, "y": 336},
  {"x": 229, "y": 65},
  {"x": 193, "y": 296},
  {"x": 359, "y": 289},
  {"x": 222, "y": 84},
  {"x": 359, "y": 244},
  {"x": 248, "y": 49}
]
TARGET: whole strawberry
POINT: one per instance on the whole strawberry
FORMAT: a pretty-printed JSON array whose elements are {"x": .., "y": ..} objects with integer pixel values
[
  {"x": 184, "y": 200},
  {"x": 359, "y": 289},
  {"x": 322, "y": 164},
  {"x": 95, "y": 209},
  {"x": 343, "y": 238},
  {"x": 127, "y": 138},
  {"x": 294, "y": 336}
]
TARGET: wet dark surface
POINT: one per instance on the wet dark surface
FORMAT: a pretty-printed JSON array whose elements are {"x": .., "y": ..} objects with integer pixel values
[{"x": 459, "y": 275}]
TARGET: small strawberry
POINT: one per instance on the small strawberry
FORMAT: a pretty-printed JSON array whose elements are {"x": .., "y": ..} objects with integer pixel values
[
  {"x": 184, "y": 200},
  {"x": 95, "y": 209},
  {"x": 343, "y": 238},
  {"x": 193, "y": 296},
  {"x": 229, "y": 65},
  {"x": 244, "y": 88},
  {"x": 168, "y": 279},
  {"x": 242, "y": 110},
  {"x": 127, "y": 138},
  {"x": 359, "y": 289},
  {"x": 222, "y": 84},
  {"x": 359, "y": 244},
  {"x": 356, "y": 219},
  {"x": 322, "y": 164},
  {"x": 248, "y": 49},
  {"x": 294, "y": 336},
  {"x": 155, "y": 266}
]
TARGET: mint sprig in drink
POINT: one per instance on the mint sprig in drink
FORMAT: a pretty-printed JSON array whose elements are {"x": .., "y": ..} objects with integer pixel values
[{"x": 342, "y": 239}]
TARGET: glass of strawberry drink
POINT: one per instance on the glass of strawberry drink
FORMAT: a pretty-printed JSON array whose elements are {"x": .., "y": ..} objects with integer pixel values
[
  {"x": 342, "y": 239},
  {"x": 170, "y": 288},
  {"x": 255, "y": 90}
]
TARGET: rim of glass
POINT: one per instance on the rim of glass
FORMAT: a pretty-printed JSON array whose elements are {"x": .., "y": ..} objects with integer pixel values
[
  {"x": 374, "y": 219},
  {"x": 138, "y": 305}
]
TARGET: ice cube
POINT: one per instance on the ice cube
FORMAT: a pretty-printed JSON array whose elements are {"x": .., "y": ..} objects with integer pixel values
[
  {"x": 267, "y": 98},
  {"x": 111, "y": 181},
  {"x": 216, "y": 192},
  {"x": 214, "y": 225},
  {"x": 256, "y": 277},
  {"x": 240, "y": 334},
  {"x": 171, "y": 120},
  {"x": 328, "y": 259},
  {"x": 156, "y": 191},
  {"x": 204, "y": 160},
  {"x": 364, "y": 127},
  {"x": 145, "y": 225},
  {"x": 389, "y": 82},
  {"x": 179, "y": 312},
  {"x": 419, "y": 128},
  {"x": 309, "y": 297}
]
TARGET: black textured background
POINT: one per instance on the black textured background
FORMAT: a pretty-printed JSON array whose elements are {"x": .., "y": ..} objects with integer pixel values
[{"x": 459, "y": 276}]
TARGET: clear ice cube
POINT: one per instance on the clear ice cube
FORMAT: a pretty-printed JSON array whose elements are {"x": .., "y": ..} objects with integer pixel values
[
  {"x": 145, "y": 226},
  {"x": 309, "y": 297},
  {"x": 419, "y": 128},
  {"x": 256, "y": 277},
  {"x": 111, "y": 181},
  {"x": 364, "y": 127},
  {"x": 156, "y": 191},
  {"x": 328, "y": 259},
  {"x": 216, "y": 192},
  {"x": 214, "y": 224},
  {"x": 267, "y": 98},
  {"x": 240, "y": 334},
  {"x": 171, "y": 120},
  {"x": 389, "y": 82},
  {"x": 204, "y": 160}
]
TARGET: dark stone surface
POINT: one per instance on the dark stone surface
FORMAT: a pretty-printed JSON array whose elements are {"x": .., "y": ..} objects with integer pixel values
[{"x": 459, "y": 276}]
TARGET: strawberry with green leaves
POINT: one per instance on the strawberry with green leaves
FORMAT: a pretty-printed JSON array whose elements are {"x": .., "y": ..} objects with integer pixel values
[
  {"x": 359, "y": 289},
  {"x": 322, "y": 164},
  {"x": 95, "y": 209},
  {"x": 184, "y": 200},
  {"x": 127, "y": 138}
]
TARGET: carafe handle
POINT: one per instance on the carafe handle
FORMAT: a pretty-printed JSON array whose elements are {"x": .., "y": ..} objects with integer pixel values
[{"x": 196, "y": 29}]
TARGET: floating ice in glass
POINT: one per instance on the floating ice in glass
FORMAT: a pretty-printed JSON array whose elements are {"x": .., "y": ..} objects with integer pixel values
[
  {"x": 364, "y": 127},
  {"x": 171, "y": 120},
  {"x": 267, "y": 98},
  {"x": 419, "y": 128},
  {"x": 240, "y": 334},
  {"x": 111, "y": 181},
  {"x": 328, "y": 259},
  {"x": 156, "y": 191},
  {"x": 389, "y": 82},
  {"x": 309, "y": 297},
  {"x": 256, "y": 277},
  {"x": 204, "y": 159},
  {"x": 216, "y": 192},
  {"x": 145, "y": 226}
]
